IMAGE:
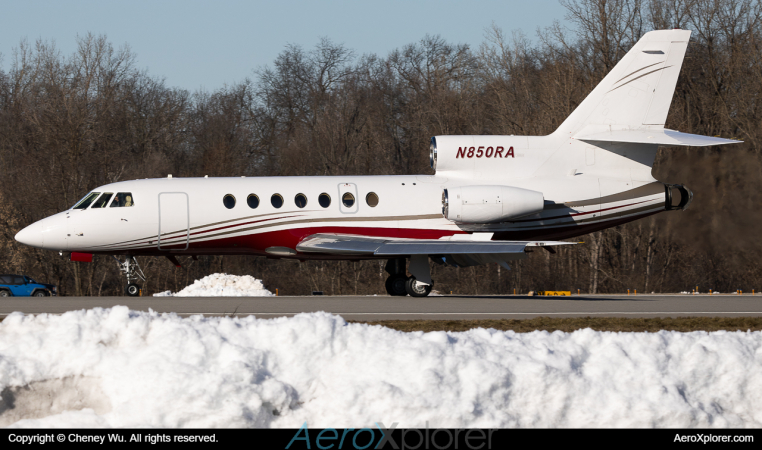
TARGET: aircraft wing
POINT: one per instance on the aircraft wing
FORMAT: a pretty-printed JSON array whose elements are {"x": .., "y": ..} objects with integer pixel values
[{"x": 347, "y": 244}]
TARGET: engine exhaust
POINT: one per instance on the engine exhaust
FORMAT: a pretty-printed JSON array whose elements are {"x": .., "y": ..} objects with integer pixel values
[{"x": 677, "y": 197}]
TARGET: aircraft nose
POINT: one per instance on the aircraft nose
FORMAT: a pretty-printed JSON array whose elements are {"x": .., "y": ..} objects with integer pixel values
[{"x": 31, "y": 235}]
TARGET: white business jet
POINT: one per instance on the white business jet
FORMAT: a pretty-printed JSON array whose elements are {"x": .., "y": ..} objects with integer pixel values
[{"x": 492, "y": 198}]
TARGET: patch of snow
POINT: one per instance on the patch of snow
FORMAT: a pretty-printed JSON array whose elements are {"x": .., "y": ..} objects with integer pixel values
[
  {"x": 161, "y": 370},
  {"x": 222, "y": 285},
  {"x": 50, "y": 397}
]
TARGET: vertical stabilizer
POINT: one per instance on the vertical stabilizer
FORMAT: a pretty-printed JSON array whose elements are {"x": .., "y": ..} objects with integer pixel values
[{"x": 637, "y": 93}]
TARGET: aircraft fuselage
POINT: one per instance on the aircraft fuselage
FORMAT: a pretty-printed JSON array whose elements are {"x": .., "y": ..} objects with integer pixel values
[{"x": 189, "y": 215}]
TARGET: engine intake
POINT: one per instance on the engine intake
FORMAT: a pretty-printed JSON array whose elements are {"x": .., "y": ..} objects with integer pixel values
[{"x": 489, "y": 204}]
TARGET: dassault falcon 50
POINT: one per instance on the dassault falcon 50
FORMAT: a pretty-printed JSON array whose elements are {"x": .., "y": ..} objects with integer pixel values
[{"x": 490, "y": 200}]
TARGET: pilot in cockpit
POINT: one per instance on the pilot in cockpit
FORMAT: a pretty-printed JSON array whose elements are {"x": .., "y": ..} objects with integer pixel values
[{"x": 122, "y": 199}]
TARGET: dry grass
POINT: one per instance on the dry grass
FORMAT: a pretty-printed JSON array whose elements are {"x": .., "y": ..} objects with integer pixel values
[{"x": 577, "y": 323}]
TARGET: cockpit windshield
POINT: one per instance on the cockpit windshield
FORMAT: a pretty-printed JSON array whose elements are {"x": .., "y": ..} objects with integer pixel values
[
  {"x": 85, "y": 202},
  {"x": 103, "y": 200},
  {"x": 122, "y": 199}
]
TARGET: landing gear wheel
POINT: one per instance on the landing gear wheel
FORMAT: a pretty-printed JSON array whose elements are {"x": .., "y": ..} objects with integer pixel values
[
  {"x": 133, "y": 290},
  {"x": 395, "y": 285},
  {"x": 416, "y": 289}
]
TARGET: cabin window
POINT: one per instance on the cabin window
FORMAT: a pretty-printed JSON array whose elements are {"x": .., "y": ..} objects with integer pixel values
[
  {"x": 276, "y": 200},
  {"x": 103, "y": 200},
  {"x": 371, "y": 199},
  {"x": 253, "y": 201},
  {"x": 300, "y": 200},
  {"x": 122, "y": 199},
  {"x": 348, "y": 199},
  {"x": 85, "y": 202},
  {"x": 228, "y": 201},
  {"x": 324, "y": 200}
]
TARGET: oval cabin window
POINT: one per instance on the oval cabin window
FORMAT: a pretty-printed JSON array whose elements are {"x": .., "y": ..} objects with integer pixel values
[
  {"x": 324, "y": 200},
  {"x": 276, "y": 200},
  {"x": 348, "y": 199},
  {"x": 371, "y": 199},
  {"x": 228, "y": 201},
  {"x": 253, "y": 201},
  {"x": 300, "y": 200}
]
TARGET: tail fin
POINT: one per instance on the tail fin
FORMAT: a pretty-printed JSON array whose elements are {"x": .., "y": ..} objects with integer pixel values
[{"x": 637, "y": 93}]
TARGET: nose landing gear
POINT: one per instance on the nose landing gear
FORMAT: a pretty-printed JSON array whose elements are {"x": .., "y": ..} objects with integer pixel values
[{"x": 131, "y": 269}]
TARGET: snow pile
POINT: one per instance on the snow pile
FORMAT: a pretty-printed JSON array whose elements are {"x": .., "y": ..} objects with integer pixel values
[
  {"x": 120, "y": 368},
  {"x": 222, "y": 285}
]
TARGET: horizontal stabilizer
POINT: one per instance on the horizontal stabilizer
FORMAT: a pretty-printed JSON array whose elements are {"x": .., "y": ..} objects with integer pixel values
[
  {"x": 345, "y": 244},
  {"x": 659, "y": 137}
]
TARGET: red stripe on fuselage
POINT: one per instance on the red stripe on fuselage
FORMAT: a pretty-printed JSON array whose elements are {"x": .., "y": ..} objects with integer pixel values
[
  {"x": 255, "y": 244},
  {"x": 291, "y": 237}
]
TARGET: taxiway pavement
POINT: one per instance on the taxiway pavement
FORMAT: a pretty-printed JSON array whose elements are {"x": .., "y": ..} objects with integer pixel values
[{"x": 449, "y": 307}]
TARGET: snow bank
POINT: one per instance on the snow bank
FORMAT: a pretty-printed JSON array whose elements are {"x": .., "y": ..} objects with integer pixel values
[
  {"x": 120, "y": 368},
  {"x": 222, "y": 285}
]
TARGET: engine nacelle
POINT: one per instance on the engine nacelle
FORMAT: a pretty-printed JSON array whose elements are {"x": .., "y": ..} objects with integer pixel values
[{"x": 488, "y": 204}]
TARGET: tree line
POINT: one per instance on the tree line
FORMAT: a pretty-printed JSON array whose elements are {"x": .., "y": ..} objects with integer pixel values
[{"x": 69, "y": 123}]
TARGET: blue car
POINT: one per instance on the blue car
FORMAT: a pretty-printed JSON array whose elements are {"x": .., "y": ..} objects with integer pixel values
[{"x": 23, "y": 286}]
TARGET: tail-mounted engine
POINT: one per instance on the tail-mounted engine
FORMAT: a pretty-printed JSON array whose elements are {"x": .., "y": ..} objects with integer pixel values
[
  {"x": 489, "y": 204},
  {"x": 677, "y": 197}
]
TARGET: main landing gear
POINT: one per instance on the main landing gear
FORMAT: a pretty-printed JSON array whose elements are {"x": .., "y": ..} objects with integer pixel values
[
  {"x": 131, "y": 269},
  {"x": 399, "y": 284}
]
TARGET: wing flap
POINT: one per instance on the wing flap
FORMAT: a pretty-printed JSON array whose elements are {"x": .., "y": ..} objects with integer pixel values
[
  {"x": 448, "y": 248},
  {"x": 339, "y": 244},
  {"x": 344, "y": 244}
]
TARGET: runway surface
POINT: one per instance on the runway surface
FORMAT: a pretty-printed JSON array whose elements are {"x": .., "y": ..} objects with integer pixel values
[{"x": 450, "y": 307}]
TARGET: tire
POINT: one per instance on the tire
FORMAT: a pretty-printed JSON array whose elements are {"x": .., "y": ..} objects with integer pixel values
[
  {"x": 40, "y": 294},
  {"x": 132, "y": 290},
  {"x": 416, "y": 289},
  {"x": 395, "y": 285},
  {"x": 4, "y": 293}
]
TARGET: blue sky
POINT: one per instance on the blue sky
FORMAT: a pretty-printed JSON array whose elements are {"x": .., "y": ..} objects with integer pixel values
[{"x": 204, "y": 45}]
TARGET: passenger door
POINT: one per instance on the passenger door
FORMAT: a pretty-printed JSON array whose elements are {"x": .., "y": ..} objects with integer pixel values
[{"x": 174, "y": 221}]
